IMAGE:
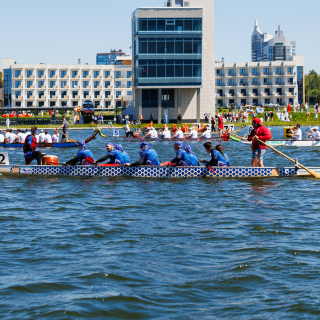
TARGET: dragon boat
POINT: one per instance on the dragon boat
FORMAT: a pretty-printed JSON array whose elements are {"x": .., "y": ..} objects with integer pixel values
[
  {"x": 153, "y": 171},
  {"x": 290, "y": 143},
  {"x": 71, "y": 144},
  {"x": 129, "y": 139}
]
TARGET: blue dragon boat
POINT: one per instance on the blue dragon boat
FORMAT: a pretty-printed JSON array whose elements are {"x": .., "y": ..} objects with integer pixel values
[{"x": 153, "y": 172}]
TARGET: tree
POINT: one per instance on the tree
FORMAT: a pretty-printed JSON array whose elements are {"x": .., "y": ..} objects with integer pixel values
[
  {"x": 315, "y": 94},
  {"x": 312, "y": 82}
]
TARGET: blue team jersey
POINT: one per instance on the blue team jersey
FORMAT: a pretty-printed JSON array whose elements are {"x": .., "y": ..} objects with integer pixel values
[
  {"x": 126, "y": 157},
  {"x": 116, "y": 157},
  {"x": 184, "y": 158},
  {"x": 193, "y": 159},
  {"x": 222, "y": 162},
  {"x": 86, "y": 157},
  {"x": 151, "y": 157}
]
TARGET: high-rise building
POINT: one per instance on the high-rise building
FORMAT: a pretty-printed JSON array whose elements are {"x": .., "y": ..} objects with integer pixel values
[
  {"x": 173, "y": 60},
  {"x": 109, "y": 58},
  {"x": 264, "y": 47}
]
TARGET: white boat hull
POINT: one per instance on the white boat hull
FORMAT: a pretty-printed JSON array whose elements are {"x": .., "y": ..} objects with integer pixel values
[{"x": 290, "y": 143}]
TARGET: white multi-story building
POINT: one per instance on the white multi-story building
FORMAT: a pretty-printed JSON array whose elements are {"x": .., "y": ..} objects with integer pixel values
[
  {"x": 173, "y": 60},
  {"x": 256, "y": 83},
  {"x": 57, "y": 85}
]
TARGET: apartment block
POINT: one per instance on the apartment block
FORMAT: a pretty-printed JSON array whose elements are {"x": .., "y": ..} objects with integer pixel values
[
  {"x": 256, "y": 83},
  {"x": 109, "y": 58},
  {"x": 173, "y": 60},
  {"x": 55, "y": 85}
]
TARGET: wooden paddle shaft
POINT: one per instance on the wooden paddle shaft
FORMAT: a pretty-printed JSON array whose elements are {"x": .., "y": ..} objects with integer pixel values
[
  {"x": 300, "y": 165},
  {"x": 67, "y": 136}
]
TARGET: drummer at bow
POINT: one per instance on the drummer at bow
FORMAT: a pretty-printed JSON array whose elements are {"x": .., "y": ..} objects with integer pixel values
[{"x": 30, "y": 146}]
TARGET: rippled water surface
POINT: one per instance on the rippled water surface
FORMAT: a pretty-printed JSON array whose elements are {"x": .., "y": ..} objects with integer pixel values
[{"x": 126, "y": 248}]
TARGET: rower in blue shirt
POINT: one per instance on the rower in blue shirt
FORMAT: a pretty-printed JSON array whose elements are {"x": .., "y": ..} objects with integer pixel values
[
  {"x": 124, "y": 154},
  {"x": 218, "y": 157},
  {"x": 148, "y": 156},
  {"x": 115, "y": 156},
  {"x": 182, "y": 158},
  {"x": 84, "y": 156},
  {"x": 193, "y": 158}
]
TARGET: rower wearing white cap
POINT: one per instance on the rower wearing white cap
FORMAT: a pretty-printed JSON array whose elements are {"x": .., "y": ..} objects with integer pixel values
[
  {"x": 41, "y": 136},
  {"x": 296, "y": 133},
  {"x": 193, "y": 133},
  {"x": 179, "y": 134},
  {"x": 166, "y": 134},
  {"x": 315, "y": 135}
]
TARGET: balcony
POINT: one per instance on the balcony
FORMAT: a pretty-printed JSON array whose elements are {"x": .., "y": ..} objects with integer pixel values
[
  {"x": 53, "y": 77},
  {"x": 277, "y": 83},
  {"x": 64, "y": 96},
  {"x": 53, "y": 97},
  {"x": 65, "y": 87},
  {"x": 87, "y": 97},
  {"x": 118, "y": 86},
  {"x": 42, "y": 86},
  {"x": 30, "y": 76},
  {"x": 65, "y": 76},
  {"x": 87, "y": 87},
  {"x": 242, "y": 75},
  {"x": 242, "y": 84},
  {"x": 230, "y": 75},
  {"x": 29, "y": 97},
  {"x": 88, "y": 77},
  {"x": 253, "y": 74},
  {"x": 18, "y": 97},
  {"x": 53, "y": 87},
  {"x": 119, "y": 97},
  {"x": 255, "y": 83},
  {"x": 230, "y": 85},
  {"x": 109, "y": 97},
  {"x": 97, "y": 77},
  {"x": 30, "y": 87},
  {"x": 97, "y": 97},
  {"x": 42, "y": 76},
  {"x": 119, "y": 77},
  {"x": 220, "y": 75},
  {"x": 97, "y": 87},
  {"x": 75, "y": 97},
  {"x": 76, "y": 77},
  {"x": 265, "y": 74},
  {"x": 42, "y": 97},
  {"x": 76, "y": 87},
  {"x": 127, "y": 98},
  {"x": 277, "y": 74},
  {"x": 220, "y": 84}
]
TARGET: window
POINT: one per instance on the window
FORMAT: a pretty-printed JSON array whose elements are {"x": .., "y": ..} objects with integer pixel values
[
  {"x": 254, "y": 71},
  {"x": 167, "y": 98},
  {"x": 242, "y": 72},
  {"x": 52, "y": 73},
  {"x": 74, "y": 84},
  {"x": 278, "y": 71},
  {"x": 96, "y": 74},
  {"x": 63, "y": 73},
  {"x": 41, "y": 95},
  {"x": 129, "y": 84},
  {"x": 230, "y": 82},
  {"x": 174, "y": 24},
  {"x": 118, "y": 84},
  {"x": 267, "y": 101},
  {"x": 18, "y": 93},
  {"x": 107, "y": 94},
  {"x": 74, "y": 74},
  {"x": 52, "y": 84},
  {"x": 41, "y": 74},
  {"x": 41, "y": 84},
  {"x": 219, "y": 72},
  {"x": 63, "y": 94},
  {"x": 107, "y": 84},
  {"x": 231, "y": 92},
  {"x": 29, "y": 84},
  {"x": 107, "y": 74},
  {"x": 255, "y": 92},
  {"x": 17, "y": 73},
  {"x": 254, "y": 81},
  {"x": 150, "y": 98},
  {"x": 290, "y": 70},
  {"x": 107, "y": 104},
  {"x": 129, "y": 74},
  {"x": 230, "y": 72},
  {"x": 266, "y": 81},
  {"x": 18, "y": 84},
  {"x": 85, "y": 94},
  {"x": 29, "y": 94},
  {"x": 52, "y": 94},
  {"x": 96, "y": 84},
  {"x": 278, "y": 81},
  {"x": 118, "y": 94},
  {"x": 63, "y": 84},
  {"x": 129, "y": 93},
  {"x": 118, "y": 74},
  {"x": 52, "y": 104},
  {"x": 219, "y": 82},
  {"x": 266, "y": 71},
  {"x": 29, "y": 73},
  {"x": 97, "y": 94},
  {"x": 242, "y": 82},
  {"x": 85, "y": 74},
  {"x": 86, "y": 84}
]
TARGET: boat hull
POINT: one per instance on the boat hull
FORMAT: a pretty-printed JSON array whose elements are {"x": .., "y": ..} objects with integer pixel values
[
  {"x": 41, "y": 145},
  {"x": 289, "y": 143},
  {"x": 153, "y": 172}
]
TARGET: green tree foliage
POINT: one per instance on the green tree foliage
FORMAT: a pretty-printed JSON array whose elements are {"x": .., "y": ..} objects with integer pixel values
[{"x": 312, "y": 82}]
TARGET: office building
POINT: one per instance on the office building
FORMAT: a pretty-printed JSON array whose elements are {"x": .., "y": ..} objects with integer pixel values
[
  {"x": 264, "y": 47},
  {"x": 54, "y": 85},
  {"x": 256, "y": 83},
  {"x": 109, "y": 58},
  {"x": 173, "y": 60}
]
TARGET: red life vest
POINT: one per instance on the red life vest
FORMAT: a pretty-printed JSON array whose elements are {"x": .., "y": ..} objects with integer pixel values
[{"x": 33, "y": 144}]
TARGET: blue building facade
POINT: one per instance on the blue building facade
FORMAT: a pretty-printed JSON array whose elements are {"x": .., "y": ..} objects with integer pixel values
[
  {"x": 109, "y": 58},
  {"x": 7, "y": 85}
]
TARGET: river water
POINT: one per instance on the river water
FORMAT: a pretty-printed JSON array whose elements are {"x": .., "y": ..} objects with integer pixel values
[{"x": 126, "y": 248}]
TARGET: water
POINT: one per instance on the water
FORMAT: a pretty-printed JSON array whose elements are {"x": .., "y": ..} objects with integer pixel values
[{"x": 126, "y": 248}]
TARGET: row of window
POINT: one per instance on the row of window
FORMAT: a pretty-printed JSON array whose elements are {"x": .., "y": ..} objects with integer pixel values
[
  {"x": 65, "y": 104},
  {"x": 74, "y": 74},
  {"x": 256, "y": 92},
  {"x": 150, "y": 98},
  {"x": 75, "y": 84},
  {"x": 175, "y": 24},
  {"x": 74, "y": 94},
  {"x": 254, "y": 71},
  {"x": 254, "y": 82},
  {"x": 170, "y": 71},
  {"x": 169, "y": 46},
  {"x": 255, "y": 102}
]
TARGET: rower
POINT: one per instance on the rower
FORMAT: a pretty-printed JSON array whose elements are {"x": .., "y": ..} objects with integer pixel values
[
  {"x": 206, "y": 134},
  {"x": 193, "y": 158},
  {"x": 166, "y": 134},
  {"x": 41, "y": 136},
  {"x": 30, "y": 146},
  {"x": 179, "y": 134},
  {"x": 47, "y": 138},
  {"x": 182, "y": 158},
  {"x": 114, "y": 155},
  {"x": 12, "y": 137},
  {"x": 152, "y": 133},
  {"x": 84, "y": 155},
  {"x": 218, "y": 158},
  {"x": 125, "y": 155},
  {"x": 315, "y": 135},
  {"x": 193, "y": 133},
  {"x": 55, "y": 137},
  {"x": 148, "y": 156},
  {"x": 296, "y": 133}
]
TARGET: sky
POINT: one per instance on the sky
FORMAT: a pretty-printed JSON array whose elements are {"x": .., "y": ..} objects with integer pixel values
[{"x": 62, "y": 31}]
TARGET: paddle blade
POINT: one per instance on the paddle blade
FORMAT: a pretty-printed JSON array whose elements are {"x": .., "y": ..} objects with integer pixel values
[
  {"x": 198, "y": 139},
  {"x": 315, "y": 174}
]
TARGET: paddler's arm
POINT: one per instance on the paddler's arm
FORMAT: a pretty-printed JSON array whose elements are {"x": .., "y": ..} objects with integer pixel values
[
  {"x": 73, "y": 161},
  {"x": 104, "y": 158},
  {"x": 138, "y": 163}
]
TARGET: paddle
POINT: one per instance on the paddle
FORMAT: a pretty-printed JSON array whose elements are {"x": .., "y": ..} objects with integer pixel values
[
  {"x": 316, "y": 175},
  {"x": 212, "y": 170},
  {"x": 67, "y": 137}
]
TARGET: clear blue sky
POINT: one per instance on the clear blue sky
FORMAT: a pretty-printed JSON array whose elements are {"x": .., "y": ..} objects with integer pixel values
[{"x": 61, "y": 31}]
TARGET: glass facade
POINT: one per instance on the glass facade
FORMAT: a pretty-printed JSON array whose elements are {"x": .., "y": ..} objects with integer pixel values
[
  {"x": 7, "y": 75},
  {"x": 300, "y": 84},
  {"x": 172, "y": 56}
]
